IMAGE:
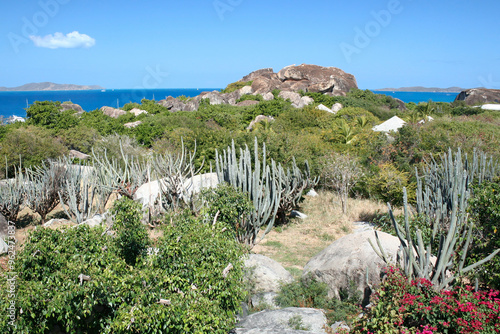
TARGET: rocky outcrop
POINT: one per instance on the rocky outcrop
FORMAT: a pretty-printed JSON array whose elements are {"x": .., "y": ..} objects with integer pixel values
[
  {"x": 288, "y": 320},
  {"x": 78, "y": 155},
  {"x": 112, "y": 112},
  {"x": 132, "y": 125},
  {"x": 258, "y": 119},
  {"x": 137, "y": 111},
  {"x": 290, "y": 80},
  {"x": 266, "y": 274},
  {"x": 479, "y": 96},
  {"x": 350, "y": 259},
  {"x": 71, "y": 106}
]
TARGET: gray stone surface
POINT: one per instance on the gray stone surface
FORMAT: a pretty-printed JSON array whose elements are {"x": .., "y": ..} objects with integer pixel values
[
  {"x": 350, "y": 258},
  {"x": 112, "y": 112},
  {"x": 264, "y": 300},
  {"x": 479, "y": 96},
  {"x": 266, "y": 273},
  {"x": 277, "y": 321}
]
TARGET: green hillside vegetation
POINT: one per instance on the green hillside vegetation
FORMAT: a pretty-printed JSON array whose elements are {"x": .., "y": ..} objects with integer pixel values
[{"x": 189, "y": 277}]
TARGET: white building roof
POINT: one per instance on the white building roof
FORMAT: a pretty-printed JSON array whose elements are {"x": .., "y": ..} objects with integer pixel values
[{"x": 392, "y": 124}]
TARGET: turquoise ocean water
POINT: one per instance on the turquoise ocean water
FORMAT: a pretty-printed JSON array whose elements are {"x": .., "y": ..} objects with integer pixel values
[{"x": 14, "y": 103}]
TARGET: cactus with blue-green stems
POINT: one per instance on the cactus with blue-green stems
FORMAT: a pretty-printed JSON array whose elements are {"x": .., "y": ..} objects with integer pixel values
[
  {"x": 81, "y": 201},
  {"x": 442, "y": 199},
  {"x": 258, "y": 180},
  {"x": 292, "y": 182},
  {"x": 12, "y": 195}
]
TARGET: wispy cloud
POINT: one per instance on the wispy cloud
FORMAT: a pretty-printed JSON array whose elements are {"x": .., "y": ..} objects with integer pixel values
[{"x": 59, "y": 40}]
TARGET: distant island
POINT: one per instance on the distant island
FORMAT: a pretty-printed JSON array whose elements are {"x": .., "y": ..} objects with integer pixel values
[
  {"x": 49, "y": 86},
  {"x": 422, "y": 89}
]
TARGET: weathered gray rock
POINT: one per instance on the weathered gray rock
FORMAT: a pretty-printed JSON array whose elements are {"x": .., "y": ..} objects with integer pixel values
[
  {"x": 337, "y": 107},
  {"x": 266, "y": 274},
  {"x": 278, "y": 321},
  {"x": 196, "y": 183},
  {"x": 312, "y": 193},
  {"x": 132, "y": 124},
  {"x": 351, "y": 258},
  {"x": 247, "y": 103},
  {"x": 297, "y": 214},
  {"x": 264, "y": 72},
  {"x": 112, "y": 112},
  {"x": 260, "y": 118},
  {"x": 78, "y": 155},
  {"x": 148, "y": 193},
  {"x": 71, "y": 106},
  {"x": 214, "y": 97},
  {"x": 268, "y": 96},
  {"x": 479, "y": 96},
  {"x": 324, "y": 108},
  {"x": 292, "y": 96},
  {"x": 245, "y": 90},
  {"x": 264, "y": 300},
  {"x": 137, "y": 111},
  {"x": 340, "y": 325},
  {"x": 262, "y": 85},
  {"x": 320, "y": 79},
  {"x": 97, "y": 220}
]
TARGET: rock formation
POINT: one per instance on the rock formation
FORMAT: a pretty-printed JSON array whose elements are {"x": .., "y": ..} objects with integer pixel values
[
  {"x": 72, "y": 106},
  {"x": 290, "y": 80},
  {"x": 351, "y": 259},
  {"x": 476, "y": 96},
  {"x": 112, "y": 112}
]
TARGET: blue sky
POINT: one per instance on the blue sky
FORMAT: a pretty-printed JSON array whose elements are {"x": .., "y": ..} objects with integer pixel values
[{"x": 210, "y": 43}]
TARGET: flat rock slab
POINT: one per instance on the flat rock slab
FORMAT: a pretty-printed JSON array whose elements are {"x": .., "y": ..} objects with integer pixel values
[{"x": 277, "y": 321}]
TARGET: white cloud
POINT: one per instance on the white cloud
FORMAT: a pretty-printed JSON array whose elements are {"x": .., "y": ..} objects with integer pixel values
[{"x": 58, "y": 40}]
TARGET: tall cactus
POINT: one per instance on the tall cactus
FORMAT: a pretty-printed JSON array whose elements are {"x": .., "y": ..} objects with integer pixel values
[
  {"x": 12, "y": 194},
  {"x": 44, "y": 184},
  {"x": 259, "y": 182},
  {"x": 291, "y": 184},
  {"x": 442, "y": 200},
  {"x": 80, "y": 189},
  {"x": 125, "y": 175}
]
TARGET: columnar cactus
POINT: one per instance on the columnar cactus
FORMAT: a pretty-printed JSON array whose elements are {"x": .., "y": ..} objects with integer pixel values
[
  {"x": 80, "y": 189},
  {"x": 12, "y": 195},
  {"x": 258, "y": 180},
  {"x": 442, "y": 200}
]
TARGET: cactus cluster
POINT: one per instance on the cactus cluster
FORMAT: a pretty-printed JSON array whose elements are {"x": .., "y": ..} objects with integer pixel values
[
  {"x": 442, "y": 200},
  {"x": 269, "y": 187}
]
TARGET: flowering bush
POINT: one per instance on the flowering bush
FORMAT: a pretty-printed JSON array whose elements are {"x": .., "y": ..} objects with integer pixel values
[{"x": 414, "y": 307}]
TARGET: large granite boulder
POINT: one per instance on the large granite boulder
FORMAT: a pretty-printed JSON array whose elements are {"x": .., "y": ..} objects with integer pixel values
[
  {"x": 288, "y": 320},
  {"x": 132, "y": 125},
  {"x": 258, "y": 119},
  {"x": 350, "y": 259},
  {"x": 318, "y": 78},
  {"x": 266, "y": 274},
  {"x": 262, "y": 85},
  {"x": 214, "y": 97},
  {"x": 112, "y": 112},
  {"x": 71, "y": 106},
  {"x": 264, "y": 72},
  {"x": 137, "y": 111},
  {"x": 476, "y": 96}
]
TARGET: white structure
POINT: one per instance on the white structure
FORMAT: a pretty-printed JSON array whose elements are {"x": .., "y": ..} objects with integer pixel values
[
  {"x": 491, "y": 106},
  {"x": 392, "y": 124}
]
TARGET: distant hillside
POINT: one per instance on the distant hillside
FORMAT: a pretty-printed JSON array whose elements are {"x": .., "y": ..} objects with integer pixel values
[
  {"x": 49, "y": 86},
  {"x": 422, "y": 89}
]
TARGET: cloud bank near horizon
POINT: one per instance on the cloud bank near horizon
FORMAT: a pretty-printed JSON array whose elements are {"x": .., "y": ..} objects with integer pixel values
[{"x": 59, "y": 40}]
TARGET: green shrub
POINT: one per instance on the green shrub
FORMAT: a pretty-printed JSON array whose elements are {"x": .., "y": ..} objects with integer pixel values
[
  {"x": 229, "y": 204},
  {"x": 131, "y": 235},
  {"x": 235, "y": 86},
  {"x": 400, "y": 306},
  {"x": 484, "y": 207},
  {"x": 310, "y": 293},
  {"x": 250, "y": 97},
  {"x": 387, "y": 185},
  {"x": 179, "y": 287}
]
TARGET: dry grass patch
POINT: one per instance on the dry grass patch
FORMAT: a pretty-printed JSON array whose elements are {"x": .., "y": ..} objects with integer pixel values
[{"x": 294, "y": 244}]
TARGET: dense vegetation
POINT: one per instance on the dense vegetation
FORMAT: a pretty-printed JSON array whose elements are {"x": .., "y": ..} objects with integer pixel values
[{"x": 119, "y": 280}]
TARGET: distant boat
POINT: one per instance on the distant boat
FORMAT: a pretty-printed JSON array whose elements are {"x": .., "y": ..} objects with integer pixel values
[{"x": 103, "y": 90}]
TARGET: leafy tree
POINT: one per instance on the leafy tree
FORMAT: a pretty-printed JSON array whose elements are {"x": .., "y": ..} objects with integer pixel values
[{"x": 43, "y": 113}]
